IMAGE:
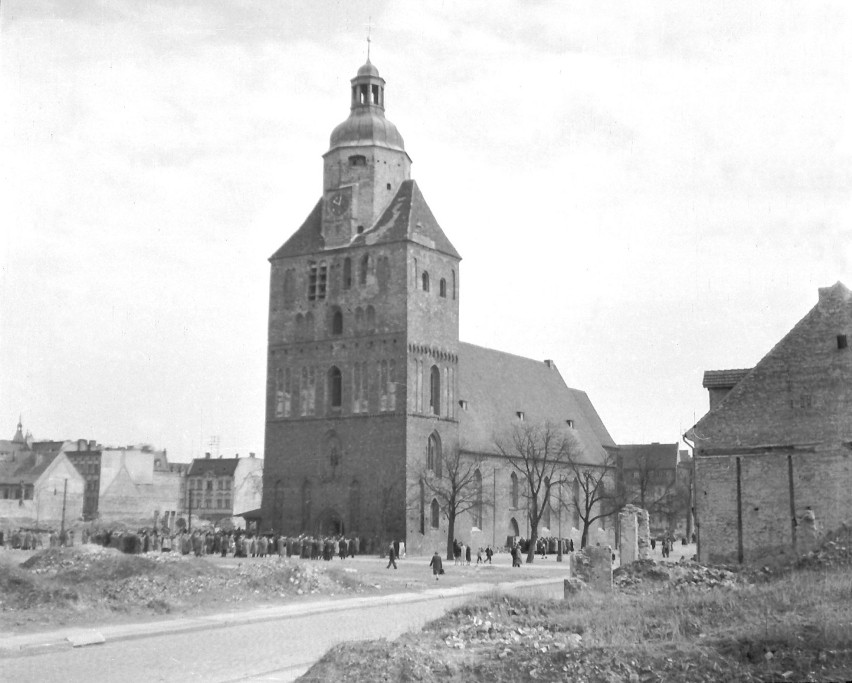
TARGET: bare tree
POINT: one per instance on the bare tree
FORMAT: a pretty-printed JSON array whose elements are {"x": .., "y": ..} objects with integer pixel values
[
  {"x": 454, "y": 479},
  {"x": 593, "y": 491},
  {"x": 647, "y": 485},
  {"x": 540, "y": 453}
]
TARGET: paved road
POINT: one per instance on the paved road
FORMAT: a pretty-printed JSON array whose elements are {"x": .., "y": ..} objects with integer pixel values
[{"x": 278, "y": 649}]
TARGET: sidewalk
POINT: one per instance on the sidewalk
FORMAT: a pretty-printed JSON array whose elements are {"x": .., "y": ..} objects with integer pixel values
[{"x": 48, "y": 641}]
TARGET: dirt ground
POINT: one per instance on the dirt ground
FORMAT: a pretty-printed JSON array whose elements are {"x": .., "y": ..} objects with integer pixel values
[
  {"x": 89, "y": 584},
  {"x": 663, "y": 621}
]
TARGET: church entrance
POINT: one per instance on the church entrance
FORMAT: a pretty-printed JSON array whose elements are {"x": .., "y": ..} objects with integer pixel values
[{"x": 329, "y": 523}]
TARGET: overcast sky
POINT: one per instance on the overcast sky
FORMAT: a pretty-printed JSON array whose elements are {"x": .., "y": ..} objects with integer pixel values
[{"x": 638, "y": 191}]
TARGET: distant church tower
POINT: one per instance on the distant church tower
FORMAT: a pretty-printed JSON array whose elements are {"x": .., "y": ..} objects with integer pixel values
[{"x": 363, "y": 342}]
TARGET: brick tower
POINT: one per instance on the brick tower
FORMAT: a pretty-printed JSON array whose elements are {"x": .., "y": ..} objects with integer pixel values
[{"x": 363, "y": 342}]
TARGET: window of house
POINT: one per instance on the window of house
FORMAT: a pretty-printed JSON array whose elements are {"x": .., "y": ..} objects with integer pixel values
[
  {"x": 335, "y": 388},
  {"x": 442, "y": 288},
  {"x": 362, "y": 273},
  {"x": 841, "y": 341},
  {"x": 433, "y": 455},
  {"x": 228, "y": 503},
  {"x": 425, "y": 281},
  {"x": 514, "y": 490},
  {"x": 477, "y": 505},
  {"x": 422, "y": 507},
  {"x": 357, "y": 160},
  {"x": 337, "y": 322},
  {"x": 436, "y": 514},
  {"x": 317, "y": 280},
  {"x": 209, "y": 484},
  {"x": 347, "y": 273},
  {"x": 435, "y": 390}
]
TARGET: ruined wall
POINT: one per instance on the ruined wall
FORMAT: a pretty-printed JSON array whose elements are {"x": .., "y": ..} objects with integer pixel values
[{"x": 774, "y": 489}]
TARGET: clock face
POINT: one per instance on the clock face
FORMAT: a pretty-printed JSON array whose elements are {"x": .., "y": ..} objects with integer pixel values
[{"x": 338, "y": 204}]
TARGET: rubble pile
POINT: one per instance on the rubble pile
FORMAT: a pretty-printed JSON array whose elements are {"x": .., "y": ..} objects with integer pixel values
[
  {"x": 835, "y": 550},
  {"x": 94, "y": 576},
  {"x": 491, "y": 630},
  {"x": 683, "y": 574}
]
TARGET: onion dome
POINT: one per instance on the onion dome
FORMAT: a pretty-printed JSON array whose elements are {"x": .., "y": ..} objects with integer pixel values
[{"x": 367, "y": 125}]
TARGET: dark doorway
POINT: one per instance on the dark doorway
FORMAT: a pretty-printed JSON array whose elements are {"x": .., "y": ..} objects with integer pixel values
[{"x": 330, "y": 524}]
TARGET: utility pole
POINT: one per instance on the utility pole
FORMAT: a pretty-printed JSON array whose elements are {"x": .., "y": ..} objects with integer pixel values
[
  {"x": 64, "y": 499},
  {"x": 189, "y": 513}
]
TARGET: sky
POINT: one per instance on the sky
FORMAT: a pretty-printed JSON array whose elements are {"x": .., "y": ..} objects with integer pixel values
[{"x": 639, "y": 191}]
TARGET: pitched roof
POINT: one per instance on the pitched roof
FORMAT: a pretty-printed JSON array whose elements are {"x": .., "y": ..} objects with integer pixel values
[
  {"x": 651, "y": 456},
  {"x": 497, "y": 386},
  {"x": 407, "y": 218},
  {"x": 794, "y": 395},
  {"x": 218, "y": 467},
  {"x": 27, "y": 466},
  {"x": 307, "y": 239},
  {"x": 723, "y": 379}
]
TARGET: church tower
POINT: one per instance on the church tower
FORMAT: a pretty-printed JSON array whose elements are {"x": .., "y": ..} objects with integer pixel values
[{"x": 362, "y": 344}]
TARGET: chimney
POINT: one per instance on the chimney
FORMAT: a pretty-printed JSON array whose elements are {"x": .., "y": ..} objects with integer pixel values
[
  {"x": 251, "y": 455},
  {"x": 549, "y": 363},
  {"x": 207, "y": 456},
  {"x": 93, "y": 445}
]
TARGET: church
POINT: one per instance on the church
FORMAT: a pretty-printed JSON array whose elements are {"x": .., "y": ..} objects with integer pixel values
[{"x": 368, "y": 385}]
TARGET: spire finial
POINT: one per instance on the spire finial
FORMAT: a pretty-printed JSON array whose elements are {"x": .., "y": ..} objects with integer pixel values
[{"x": 369, "y": 28}]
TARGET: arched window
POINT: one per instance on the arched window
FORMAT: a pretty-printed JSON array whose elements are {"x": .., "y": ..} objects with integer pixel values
[
  {"x": 422, "y": 507},
  {"x": 477, "y": 504},
  {"x": 335, "y": 387},
  {"x": 454, "y": 285},
  {"x": 371, "y": 319},
  {"x": 357, "y": 160},
  {"x": 433, "y": 455},
  {"x": 365, "y": 266},
  {"x": 300, "y": 326},
  {"x": 545, "y": 514},
  {"x": 436, "y": 514},
  {"x": 442, "y": 288},
  {"x": 309, "y": 325},
  {"x": 425, "y": 280},
  {"x": 435, "y": 390},
  {"x": 289, "y": 286},
  {"x": 514, "y": 489},
  {"x": 576, "y": 492},
  {"x": 347, "y": 273},
  {"x": 359, "y": 319},
  {"x": 306, "y": 505},
  {"x": 337, "y": 321},
  {"x": 514, "y": 530}
]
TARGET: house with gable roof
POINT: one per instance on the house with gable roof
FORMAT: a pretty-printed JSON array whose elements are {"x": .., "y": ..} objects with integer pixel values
[
  {"x": 38, "y": 482},
  {"x": 773, "y": 456}
]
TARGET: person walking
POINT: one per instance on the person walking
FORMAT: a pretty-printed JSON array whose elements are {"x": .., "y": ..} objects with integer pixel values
[
  {"x": 391, "y": 556},
  {"x": 436, "y": 565}
]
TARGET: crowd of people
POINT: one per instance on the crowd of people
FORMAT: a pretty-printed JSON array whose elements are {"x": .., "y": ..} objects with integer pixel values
[{"x": 35, "y": 539}]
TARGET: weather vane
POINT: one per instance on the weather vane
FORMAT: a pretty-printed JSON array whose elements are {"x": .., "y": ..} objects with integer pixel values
[{"x": 369, "y": 27}]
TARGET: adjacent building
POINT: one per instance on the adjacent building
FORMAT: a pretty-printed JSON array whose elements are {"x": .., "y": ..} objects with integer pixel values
[
  {"x": 368, "y": 384},
  {"x": 649, "y": 479},
  {"x": 773, "y": 457},
  {"x": 217, "y": 488},
  {"x": 39, "y": 486}
]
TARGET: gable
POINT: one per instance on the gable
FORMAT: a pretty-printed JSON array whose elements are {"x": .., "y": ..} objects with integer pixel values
[
  {"x": 799, "y": 393},
  {"x": 406, "y": 218}
]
